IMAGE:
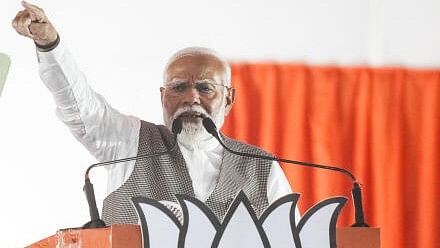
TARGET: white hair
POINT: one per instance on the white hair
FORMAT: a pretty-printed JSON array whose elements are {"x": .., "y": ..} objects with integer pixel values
[{"x": 197, "y": 51}]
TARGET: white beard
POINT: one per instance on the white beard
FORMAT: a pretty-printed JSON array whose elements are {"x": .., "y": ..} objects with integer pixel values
[
  {"x": 194, "y": 131},
  {"x": 191, "y": 133}
]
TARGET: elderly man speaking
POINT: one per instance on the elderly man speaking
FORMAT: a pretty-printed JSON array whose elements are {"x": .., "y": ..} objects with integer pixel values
[{"x": 197, "y": 84}]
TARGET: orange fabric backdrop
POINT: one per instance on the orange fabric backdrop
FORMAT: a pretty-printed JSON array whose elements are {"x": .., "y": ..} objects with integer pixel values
[{"x": 383, "y": 124}]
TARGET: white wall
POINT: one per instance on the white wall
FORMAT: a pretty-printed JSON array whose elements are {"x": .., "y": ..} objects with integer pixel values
[{"x": 122, "y": 47}]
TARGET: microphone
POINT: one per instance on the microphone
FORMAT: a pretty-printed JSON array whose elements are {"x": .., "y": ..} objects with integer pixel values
[
  {"x": 356, "y": 191},
  {"x": 95, "y": 220}
]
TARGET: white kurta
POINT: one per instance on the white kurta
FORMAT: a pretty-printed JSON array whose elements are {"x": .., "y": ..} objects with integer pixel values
[{"x": 109, "y": 135}]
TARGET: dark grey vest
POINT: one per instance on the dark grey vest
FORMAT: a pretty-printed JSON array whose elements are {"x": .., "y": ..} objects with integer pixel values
[{"x": 162, "y": 177}]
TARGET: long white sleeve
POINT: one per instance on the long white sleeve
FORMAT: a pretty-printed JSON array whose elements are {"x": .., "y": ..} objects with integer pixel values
[{"x": 104, "y": 132}]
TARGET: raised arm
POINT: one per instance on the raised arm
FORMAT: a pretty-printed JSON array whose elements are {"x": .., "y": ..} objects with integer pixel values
[{"x": 105, "y": 132}]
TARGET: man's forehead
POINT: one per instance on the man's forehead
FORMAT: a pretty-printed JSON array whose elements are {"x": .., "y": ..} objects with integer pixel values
[
  {"x": 196, "y": 78},
  {"x": 196, "y": 61},
  {"x": 177, "y": 79},
  {"x": 201, "y": 66}
]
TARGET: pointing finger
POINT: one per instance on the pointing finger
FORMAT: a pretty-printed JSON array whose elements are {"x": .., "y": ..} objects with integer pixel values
[
  {"x": 36, "y": 13},
  {"x": 27, "y": 5},
  {"x": 32, "y": 7}
]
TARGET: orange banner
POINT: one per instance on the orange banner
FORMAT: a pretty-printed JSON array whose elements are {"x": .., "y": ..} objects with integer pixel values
[{"x": 383, "y": 124}]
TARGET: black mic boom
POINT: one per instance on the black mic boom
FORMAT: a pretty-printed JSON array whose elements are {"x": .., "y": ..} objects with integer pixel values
[
  {"x": 356, "y": 191},
  {"x": 95, "y": 221}
]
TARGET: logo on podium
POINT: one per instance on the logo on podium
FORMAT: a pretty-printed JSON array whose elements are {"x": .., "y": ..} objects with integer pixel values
[{"x": 192, "y": 224}]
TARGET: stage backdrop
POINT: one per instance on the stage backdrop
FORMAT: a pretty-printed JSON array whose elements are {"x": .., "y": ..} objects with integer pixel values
[{"x": 383, "y": 124}]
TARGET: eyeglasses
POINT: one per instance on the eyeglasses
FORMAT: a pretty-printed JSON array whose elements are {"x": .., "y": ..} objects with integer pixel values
[{"x": 204, "y": 88}]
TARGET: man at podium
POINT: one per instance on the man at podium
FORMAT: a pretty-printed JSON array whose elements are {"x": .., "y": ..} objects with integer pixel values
[{"x": 196, "y": 84}]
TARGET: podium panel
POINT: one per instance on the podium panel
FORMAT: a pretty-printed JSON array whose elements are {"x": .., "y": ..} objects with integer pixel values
[
  {"x": 358, "y": 237},
  {"x": 129, "y": 236},
  {"x": 115, "y": 236}
]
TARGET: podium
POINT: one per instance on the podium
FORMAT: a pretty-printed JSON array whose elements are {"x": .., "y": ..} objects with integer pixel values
[
  {"x": 195, "y": 225},
  {"x": 129, "y": 236}
]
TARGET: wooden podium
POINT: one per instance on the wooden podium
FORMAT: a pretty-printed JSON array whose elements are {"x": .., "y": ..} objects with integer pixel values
[{"x": 129, "y": 236}]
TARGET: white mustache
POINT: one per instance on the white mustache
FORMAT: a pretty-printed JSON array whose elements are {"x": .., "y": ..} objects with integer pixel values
[{"x": 193, "y": 109}]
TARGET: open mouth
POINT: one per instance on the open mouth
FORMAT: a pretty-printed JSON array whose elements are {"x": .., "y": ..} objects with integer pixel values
[{"x": 191, "y": 114}]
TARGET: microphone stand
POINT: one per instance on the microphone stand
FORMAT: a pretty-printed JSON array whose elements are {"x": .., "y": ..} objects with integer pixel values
[{"x": 356, "y": 190}]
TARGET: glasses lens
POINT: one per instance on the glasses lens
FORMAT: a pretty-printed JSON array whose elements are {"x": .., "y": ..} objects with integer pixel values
[
  {"x": 178, "y": 88},
  {"x": 205, "y": 88}
]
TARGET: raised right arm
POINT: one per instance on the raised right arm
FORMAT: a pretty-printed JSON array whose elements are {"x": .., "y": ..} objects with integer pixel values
[{"x": 105, "y": 132}]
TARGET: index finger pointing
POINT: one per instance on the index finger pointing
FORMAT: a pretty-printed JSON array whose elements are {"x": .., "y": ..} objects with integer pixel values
[
  {"x": 36, "y": 13},
  {"x": 32, "y": 7}
]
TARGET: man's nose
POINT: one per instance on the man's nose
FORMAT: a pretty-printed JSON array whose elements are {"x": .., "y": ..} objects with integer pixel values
[{"x": 191, "y": 96}]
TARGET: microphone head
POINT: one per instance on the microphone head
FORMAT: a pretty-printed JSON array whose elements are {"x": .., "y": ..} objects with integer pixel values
[
  {"x": 177, "y": 126},
  {"x": 210, "y": 126}
]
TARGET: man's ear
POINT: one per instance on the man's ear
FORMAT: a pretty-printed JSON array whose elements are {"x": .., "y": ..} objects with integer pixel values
[
  {"x": 230, "y": 98},
  {"x": 162, "y": 92}
]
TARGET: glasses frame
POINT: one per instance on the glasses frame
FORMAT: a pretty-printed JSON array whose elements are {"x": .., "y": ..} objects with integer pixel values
[{"x": 169, "y": 86}]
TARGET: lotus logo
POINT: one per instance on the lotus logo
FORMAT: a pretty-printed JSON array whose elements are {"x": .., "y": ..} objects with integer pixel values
[{"x": 191, "y": 224}]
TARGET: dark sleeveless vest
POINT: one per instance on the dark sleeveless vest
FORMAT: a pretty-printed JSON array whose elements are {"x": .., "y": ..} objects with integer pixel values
[{"x": 162, "y": 177}]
